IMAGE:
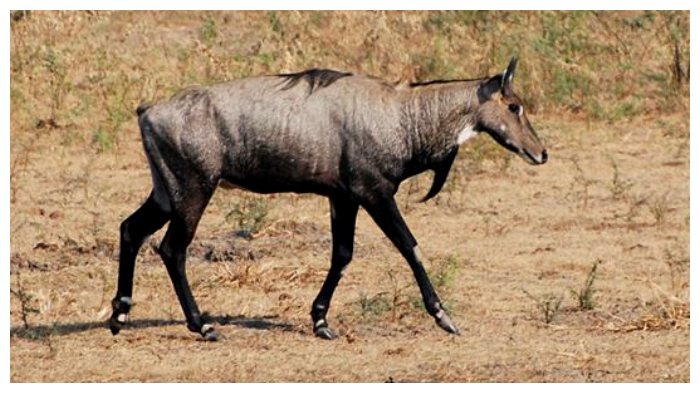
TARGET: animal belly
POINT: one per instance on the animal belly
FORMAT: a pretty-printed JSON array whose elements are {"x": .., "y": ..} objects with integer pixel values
[
  {"x": 227, "y": 185},
  {"x": 277, "y": 183}
]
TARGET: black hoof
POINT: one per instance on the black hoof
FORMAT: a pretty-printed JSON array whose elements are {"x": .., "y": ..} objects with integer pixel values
[
  {"x": 325, "y": 333},
  {"x": 116, "y": 323},
  {"x": 445, "y": 323},
  {"x": 121, "y": 305},
  {"x": 115, "y": 326},
  {"x": 210, "y": 334}
]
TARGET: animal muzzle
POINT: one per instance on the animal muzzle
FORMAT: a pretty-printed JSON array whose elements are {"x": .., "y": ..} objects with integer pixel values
[
  {"x": 533, "y": 159},
  {"x": 532, "y": 152}
]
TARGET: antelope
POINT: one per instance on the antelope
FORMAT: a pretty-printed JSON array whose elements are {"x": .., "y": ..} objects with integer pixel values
[{"x": 350, "y": 138}]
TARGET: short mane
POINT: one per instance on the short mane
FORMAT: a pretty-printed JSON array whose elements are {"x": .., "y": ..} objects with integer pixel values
[
  {"x": 442, "y": 81},
  {"x": 315, "y": 77}
]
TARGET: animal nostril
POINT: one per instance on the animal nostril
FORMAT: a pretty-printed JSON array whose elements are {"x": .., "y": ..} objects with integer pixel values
[{"x": 544, "y": 156}]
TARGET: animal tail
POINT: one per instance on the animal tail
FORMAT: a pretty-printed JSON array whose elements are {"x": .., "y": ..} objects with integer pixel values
[
  {"x": 143, "y": 108},
  {"x": 156, "y": 161}
]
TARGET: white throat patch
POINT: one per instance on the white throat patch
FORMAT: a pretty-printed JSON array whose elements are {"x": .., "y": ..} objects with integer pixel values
[{"x": 466, "y": 134}]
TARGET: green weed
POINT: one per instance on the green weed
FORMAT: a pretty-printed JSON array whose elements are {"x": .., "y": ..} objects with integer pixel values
[
  {"x": 209, "y": 32},
  {"x": 250, "y": 214},
  {"x": 375, "y": 305},
  {"x": 586, "y": 295},
  {"x": 276, "y": 23}
]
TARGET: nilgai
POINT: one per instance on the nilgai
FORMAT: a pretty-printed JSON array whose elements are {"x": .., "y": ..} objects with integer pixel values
[{"x": 348, "y": 137}]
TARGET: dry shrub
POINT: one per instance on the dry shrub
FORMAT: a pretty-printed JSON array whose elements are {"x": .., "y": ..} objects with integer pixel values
[
  {"x": 665, "y": 312},
  {"x": 239, "y": 274}
]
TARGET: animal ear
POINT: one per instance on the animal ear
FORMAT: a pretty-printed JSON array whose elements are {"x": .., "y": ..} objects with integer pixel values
[
  {"x": 490, "y": 87},
  {"x": 507, "y": 83}
]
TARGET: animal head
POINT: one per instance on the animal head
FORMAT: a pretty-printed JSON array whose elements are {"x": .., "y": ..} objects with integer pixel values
[{"x": 501, "y": 114}]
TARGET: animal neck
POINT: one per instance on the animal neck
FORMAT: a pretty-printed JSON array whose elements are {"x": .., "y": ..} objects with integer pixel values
[{"x": 439, "y": 117}]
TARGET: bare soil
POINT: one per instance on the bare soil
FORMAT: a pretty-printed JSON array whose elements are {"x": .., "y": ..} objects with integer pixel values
[{"x": 506, "y": 244}]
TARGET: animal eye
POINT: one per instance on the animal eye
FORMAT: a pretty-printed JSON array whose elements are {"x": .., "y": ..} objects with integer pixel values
[{"x": 515, "y": 108}]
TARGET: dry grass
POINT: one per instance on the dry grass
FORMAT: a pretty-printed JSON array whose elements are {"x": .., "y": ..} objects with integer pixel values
[
  {"x": 499, "y": 230},
  {"x": 82, "y": 73}
]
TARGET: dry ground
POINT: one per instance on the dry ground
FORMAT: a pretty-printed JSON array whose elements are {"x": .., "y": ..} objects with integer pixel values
[{"x": 507, "y": 244}]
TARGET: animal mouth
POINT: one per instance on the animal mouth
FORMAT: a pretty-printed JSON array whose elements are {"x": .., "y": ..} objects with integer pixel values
[
  {"x": 530, "y": 158},
  {"x": 534, "y": 160},
  {"x": 504, "y": 142}
]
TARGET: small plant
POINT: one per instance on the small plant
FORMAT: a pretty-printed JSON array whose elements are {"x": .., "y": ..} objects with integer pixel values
[
  {"x": 443, "y": 275},
  {"x": 57, "y": 82},
  {"x": 585, "y": 296},
  {"x": 103, "y": 140},
  {"x": 678, "y": 262},
  {"x": 208, "y": 33},
  {"x": 619, "y": 185},
  {"x": 26, "y": 300},
  {"x": 116, "y": 95},
  {"x": 267, "y": 59},
  {"x": 635, "y": 204},
  {"x": 316, "y": 18},
  {"x": 659, "y": 208},
  {"x": 445, "y": 272},
  {"x": 275, "y": 23},
  {"x": 374, "y": 305},
  {"x": 581, "y": 179},
  {"x": 249, "y": 215},
  {"x": 548, "y": 305},
  {"x": 394, "y": 300}
]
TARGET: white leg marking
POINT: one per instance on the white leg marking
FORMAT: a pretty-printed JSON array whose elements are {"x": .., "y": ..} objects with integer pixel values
[
  {"x": 206, "y": 327},
  {"x": 440, "y": 314},
  {"x": 418, "y": 254},
  {"x": 121, "y": 318},
  {"x": 320, "y": 322},
  {"x": 125, "y": 299}
]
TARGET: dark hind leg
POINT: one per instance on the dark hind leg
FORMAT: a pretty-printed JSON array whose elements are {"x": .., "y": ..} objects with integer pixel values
[
  {"x": 343, "y": 217},
  {"x": 186, "y": 214},
  {"x": 149, "y": 218}
]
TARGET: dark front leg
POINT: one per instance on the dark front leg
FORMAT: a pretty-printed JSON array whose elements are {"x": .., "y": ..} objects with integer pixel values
[
  {"x": 386, "y": 214},
  {"x": 343, "y": 217}
]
